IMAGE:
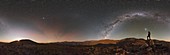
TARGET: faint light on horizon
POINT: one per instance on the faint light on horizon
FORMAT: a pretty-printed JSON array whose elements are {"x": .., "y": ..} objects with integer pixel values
[
  {"x": 19, "y": 38},
  {"x": 105, "y": 37}
]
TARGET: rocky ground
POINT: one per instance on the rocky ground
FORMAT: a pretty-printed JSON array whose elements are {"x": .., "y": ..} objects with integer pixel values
[{"x": 128, "y": 46}]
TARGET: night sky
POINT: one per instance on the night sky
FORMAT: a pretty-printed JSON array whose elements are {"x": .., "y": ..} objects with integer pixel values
[{"x": 80, "y": 20}]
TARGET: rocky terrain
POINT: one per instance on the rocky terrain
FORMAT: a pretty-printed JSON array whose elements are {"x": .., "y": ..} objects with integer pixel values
[{"x": 128, "y": 46}]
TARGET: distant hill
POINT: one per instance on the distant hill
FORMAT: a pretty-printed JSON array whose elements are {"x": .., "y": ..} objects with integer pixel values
[
  {"x": 92, "y": 42},
  {"x": 104, "y": 41},
  {"x": 23, "y": 41}
]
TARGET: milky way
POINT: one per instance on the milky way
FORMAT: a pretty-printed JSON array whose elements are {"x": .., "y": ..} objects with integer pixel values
[{"x": 130, "y": 16}]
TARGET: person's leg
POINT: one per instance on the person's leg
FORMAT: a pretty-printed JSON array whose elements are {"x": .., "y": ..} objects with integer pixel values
[{"x": 149, "y": 38}]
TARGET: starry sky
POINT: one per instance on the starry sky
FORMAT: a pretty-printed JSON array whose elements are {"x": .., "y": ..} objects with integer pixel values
[{"x": 80, "y": 20}]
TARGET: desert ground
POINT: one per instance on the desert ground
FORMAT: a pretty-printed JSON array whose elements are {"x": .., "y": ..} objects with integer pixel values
[{"x": 127, "y": 46}]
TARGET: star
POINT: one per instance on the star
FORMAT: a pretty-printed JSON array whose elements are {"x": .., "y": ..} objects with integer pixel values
[{"x": 43, "y": 18}]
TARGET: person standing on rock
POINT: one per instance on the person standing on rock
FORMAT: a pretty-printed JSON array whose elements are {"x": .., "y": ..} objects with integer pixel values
[
  {"x": 149, "y": 38},
  {"x": 150, "y": 42}
]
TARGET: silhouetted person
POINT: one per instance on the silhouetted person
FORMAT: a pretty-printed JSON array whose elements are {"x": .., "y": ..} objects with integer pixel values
[
  {"x": 149, "y": 35},
  {"x": 150, "y": 42}
]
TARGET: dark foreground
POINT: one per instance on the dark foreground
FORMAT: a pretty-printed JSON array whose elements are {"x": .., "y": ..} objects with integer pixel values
[{"x": 128, "y": 46}]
